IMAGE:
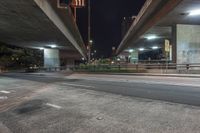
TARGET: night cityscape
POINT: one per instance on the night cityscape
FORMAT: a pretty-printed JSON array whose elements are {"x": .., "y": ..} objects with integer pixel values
[{"x": 106, "y": 66}]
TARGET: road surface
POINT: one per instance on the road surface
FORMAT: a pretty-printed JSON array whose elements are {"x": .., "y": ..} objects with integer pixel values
[{"x": 98, "y": 103}]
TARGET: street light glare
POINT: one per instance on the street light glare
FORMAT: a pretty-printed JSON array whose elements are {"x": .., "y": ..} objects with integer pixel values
[
  {"x": 130, "y": 50},
  {"x": 53, "y": 46},
  {"x": 194, "y": 13},
  {"x": 141, "y": 49},
  {"x": 151, "y": 37},
  {"x": 155, "y": 47}
]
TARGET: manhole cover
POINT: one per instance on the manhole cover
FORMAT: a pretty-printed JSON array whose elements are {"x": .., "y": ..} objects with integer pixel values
[{"x": 99, "y": 118}]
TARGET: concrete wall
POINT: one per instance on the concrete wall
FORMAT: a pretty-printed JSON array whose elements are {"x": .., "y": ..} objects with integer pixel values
[
  {"x": 51, "y": 58},
  {"x": 188, "y": 44}
]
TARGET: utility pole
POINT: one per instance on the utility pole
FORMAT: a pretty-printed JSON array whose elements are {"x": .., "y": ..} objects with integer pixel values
[
  {"x": 75, "y": 14},
  {"x": 89, "y": 31}
]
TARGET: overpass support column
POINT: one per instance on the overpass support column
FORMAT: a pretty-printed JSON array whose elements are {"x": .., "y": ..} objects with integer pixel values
[
  {"x": 174, "y": 44},
  {"x": 134, "y": 57},
  {"x": 51, "y": 58},
  {"x": 188, "y": 44}
]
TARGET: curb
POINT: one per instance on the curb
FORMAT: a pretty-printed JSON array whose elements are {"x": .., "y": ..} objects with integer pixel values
[{"x": 147, "y": 74}]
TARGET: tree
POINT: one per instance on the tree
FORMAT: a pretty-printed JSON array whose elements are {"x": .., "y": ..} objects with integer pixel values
[{"x": 15, "y": 57}]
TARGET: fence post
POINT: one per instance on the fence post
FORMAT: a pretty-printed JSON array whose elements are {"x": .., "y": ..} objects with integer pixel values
[
  {"x": 94, "y": 68},
  {"x": 119, "y": 67},
  {"x": 137, "y": 67}
]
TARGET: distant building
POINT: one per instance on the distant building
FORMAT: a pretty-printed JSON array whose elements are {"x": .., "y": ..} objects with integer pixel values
[{"x": 126, "y": 24}]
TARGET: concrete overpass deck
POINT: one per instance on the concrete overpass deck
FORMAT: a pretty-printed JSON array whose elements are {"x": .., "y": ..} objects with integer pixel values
[
  {"x": 166, "y": 19},
  {"x": 39, "y": 24}
]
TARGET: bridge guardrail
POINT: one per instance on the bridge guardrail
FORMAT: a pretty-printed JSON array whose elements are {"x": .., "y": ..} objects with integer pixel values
[{"x": 137, "y": 67}]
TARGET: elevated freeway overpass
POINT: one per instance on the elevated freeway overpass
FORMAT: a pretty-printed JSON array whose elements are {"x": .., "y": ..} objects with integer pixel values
[
  {"x": 40, "y": 24},
  {"x": 174, "y": 21}
]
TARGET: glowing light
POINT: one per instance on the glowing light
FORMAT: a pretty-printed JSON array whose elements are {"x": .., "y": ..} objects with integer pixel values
[
  {"x": 155, "y": 47},
  {"x": 141, "y": 49},
  {"x": 194, "y": 13},
  {"x": 41, "y": 48},
  {"x": 131, "y": 50},
  {"x": 151, "y": 37},
  {"x": 53, "y": 46}
]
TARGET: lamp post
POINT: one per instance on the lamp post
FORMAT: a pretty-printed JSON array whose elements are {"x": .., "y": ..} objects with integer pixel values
[{"x": 89, "y": 31}]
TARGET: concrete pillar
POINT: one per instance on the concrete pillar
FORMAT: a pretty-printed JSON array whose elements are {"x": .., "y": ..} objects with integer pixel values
[
  {"x": 51, "y": 58},
  {"x": 188, "y": 44},
  {"x": 134, "y": 57},
  {"x": 174, "y": 44}
]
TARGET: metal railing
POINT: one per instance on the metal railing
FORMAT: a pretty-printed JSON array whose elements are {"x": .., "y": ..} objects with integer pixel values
[
  {"x": 164, "y": 67},
  {"x": 129, "y": 68}
]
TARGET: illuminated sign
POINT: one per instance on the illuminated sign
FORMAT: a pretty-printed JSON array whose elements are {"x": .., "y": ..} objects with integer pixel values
[
  {"x": 167, "y": 46},
  {"x": 78, "y": 3}
]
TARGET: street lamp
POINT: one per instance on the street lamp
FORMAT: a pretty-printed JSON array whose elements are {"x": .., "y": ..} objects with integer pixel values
[
  {"x": 155, "y": 47},
  {"x": 89, "y": 31},
  {"x": 53, "y": 46},
  {"x": 151, "y": 37},
  {"x": 141, "y": 49},
  {"x": 194, "y": 13},
  {"x": 91, "y": 41},
  {"x": 131, "y": 50},
  {"x": 41, "y": 48}
]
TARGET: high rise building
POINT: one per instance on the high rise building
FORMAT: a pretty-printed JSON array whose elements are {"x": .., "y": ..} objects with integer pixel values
[{"x": 126, "y": 24}]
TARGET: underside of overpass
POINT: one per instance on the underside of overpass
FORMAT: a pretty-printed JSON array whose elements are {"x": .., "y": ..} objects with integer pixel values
[
  {"x": 40, "y": 24},
  {"x": 170, "y": 20}
]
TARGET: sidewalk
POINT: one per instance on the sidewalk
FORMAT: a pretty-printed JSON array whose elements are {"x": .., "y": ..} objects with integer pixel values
[
  {"x": 67, "y": 73},
  {"x": 157, "y": 74},
  {"x": 148, "y": 74}
]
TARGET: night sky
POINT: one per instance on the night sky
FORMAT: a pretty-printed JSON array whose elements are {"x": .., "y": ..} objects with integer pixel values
[{"x": 106, "y": 21}]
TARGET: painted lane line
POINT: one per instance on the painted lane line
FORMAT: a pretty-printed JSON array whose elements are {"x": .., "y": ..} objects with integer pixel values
[
  {"x": 3, "y": 97},
  {"x": 5, "y": 92},
  {"x": 53, "y": 105},
  {"x": 77, "y": 85}
]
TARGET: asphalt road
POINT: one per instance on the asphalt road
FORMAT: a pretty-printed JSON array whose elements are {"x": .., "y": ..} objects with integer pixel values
[
  {"x": 177, "y": 91},
  {"x": 81, "y": 103},
  {"x": 171, "y": 89}
]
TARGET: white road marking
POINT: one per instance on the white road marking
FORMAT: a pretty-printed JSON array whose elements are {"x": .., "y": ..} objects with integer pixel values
[
  {"x": 3, "y": 97},
  {"x": 5, "y": 92},
  {"x": 77, "y": 85},
  {"x": 53, "y": 105}
]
